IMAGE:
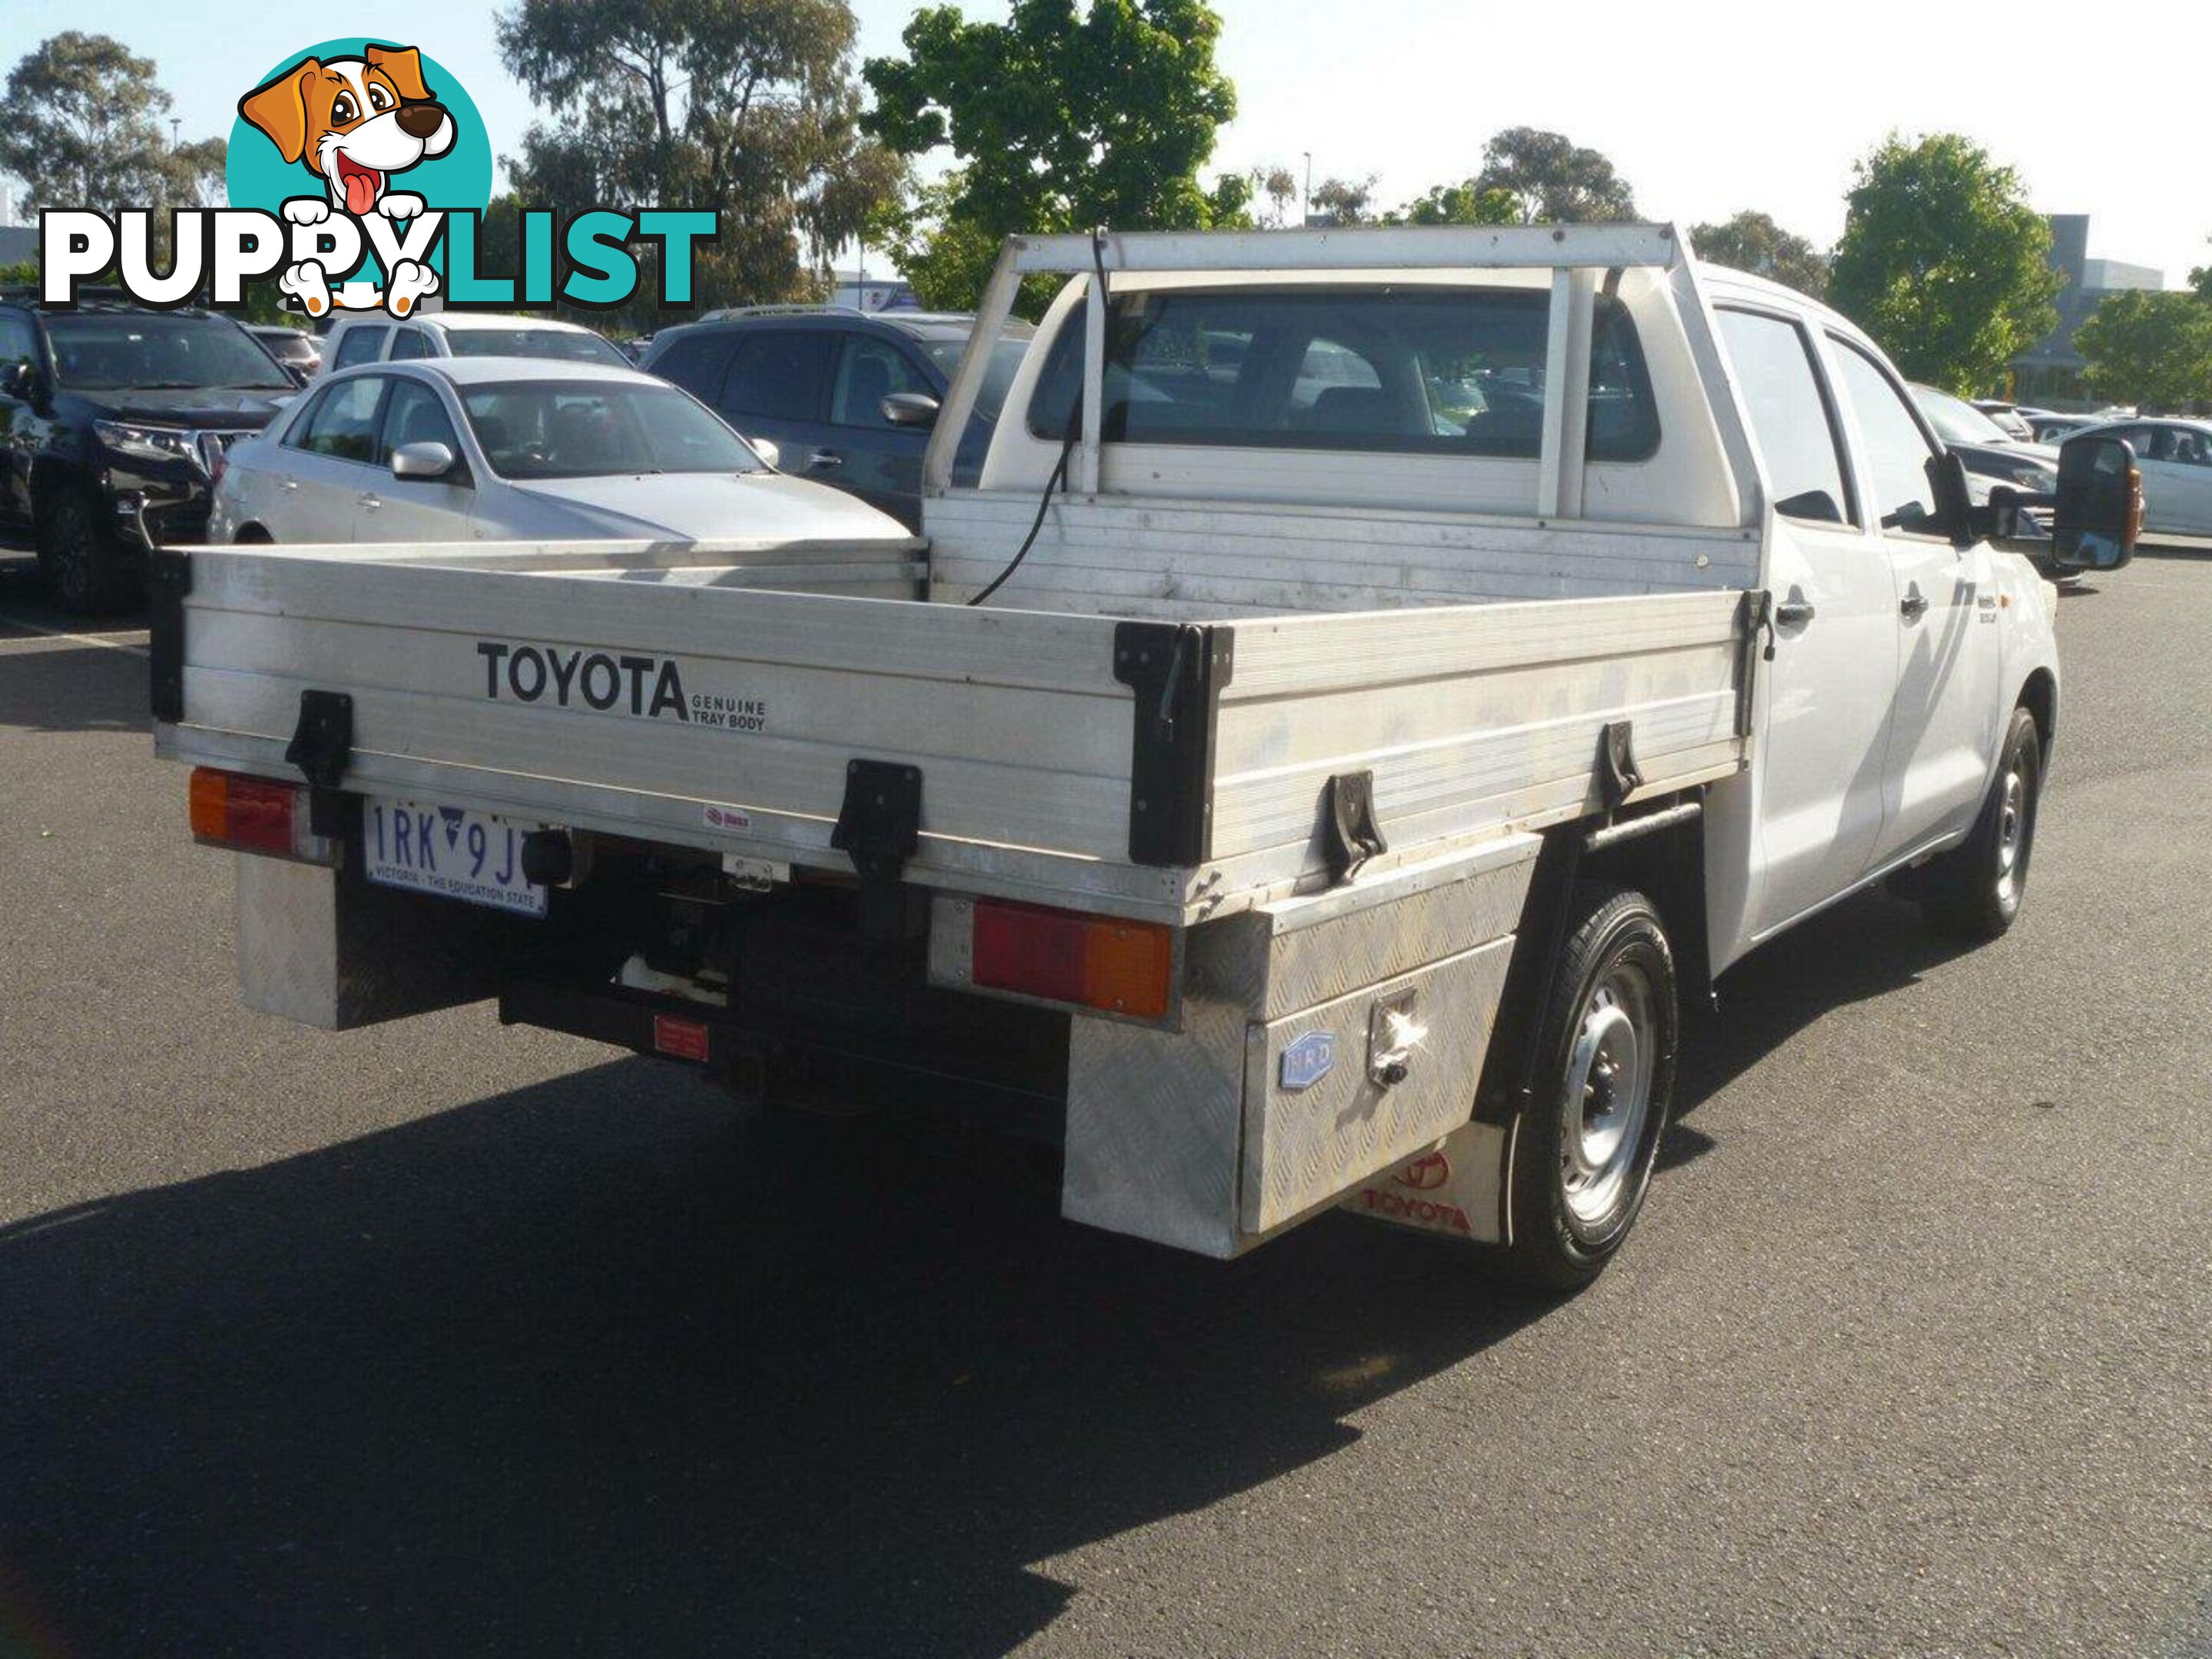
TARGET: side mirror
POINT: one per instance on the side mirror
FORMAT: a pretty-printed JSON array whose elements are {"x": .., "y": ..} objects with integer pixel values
[
  {"x": 2099, "y": 505},
  {"x": 427, "y": 459},
  {"x": 21, "y": 381},
  {"x": 910, "y": 409},
  {"x": 771, "y": 455},
  {"x": 1955, "y": 497}
]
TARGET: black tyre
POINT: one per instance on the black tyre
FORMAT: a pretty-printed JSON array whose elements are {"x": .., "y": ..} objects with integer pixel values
[
  {"x": 1610, "y": 1039},
  {"x": 1975, "y": 890},
  {"x": 82, "y": 563}
]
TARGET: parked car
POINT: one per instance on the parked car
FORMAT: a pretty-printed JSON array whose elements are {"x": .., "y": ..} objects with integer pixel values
[
  {"x": 2007, "y": 418},
  {"x": 2175, "y": 458},
  {"x": 299, "y": 353},
  {"x": 374, "y": 337},
  {"x": 849, "y": 395},
  {"x": 1988, "y": 450},
  {"x": 2050, "y": 429},
  {"x": 501, "y": 448},
  {"x": 113, "y": 418}
]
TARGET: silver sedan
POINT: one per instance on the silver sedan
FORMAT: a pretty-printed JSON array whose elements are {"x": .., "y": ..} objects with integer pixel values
[{"x": 505, "y": 449}]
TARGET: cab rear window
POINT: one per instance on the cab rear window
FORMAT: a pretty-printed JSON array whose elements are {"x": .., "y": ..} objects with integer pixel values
[{"x": 1435, "y": 371}]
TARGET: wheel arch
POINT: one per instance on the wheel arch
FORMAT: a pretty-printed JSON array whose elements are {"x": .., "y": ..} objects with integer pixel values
[
  {"x": 1667, "y": 865},
  {"x": 2038, "y": 695},
  {"x": 253, "y": 533}
]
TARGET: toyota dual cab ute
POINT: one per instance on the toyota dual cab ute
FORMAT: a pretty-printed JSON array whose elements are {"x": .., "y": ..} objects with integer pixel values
[{"x": 1379, "y": 678}]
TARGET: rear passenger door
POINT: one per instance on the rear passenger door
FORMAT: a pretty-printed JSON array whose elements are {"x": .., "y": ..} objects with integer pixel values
[
  {"x": 878, "y": 462},
  {"x": 777, "y": 387},
  {"x": 1943, "y": 734},
  {"x": 415, "y": 509},
  {"x": 1818, "y": 778}
]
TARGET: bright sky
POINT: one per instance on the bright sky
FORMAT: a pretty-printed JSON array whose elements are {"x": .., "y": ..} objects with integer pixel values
[{"x": 1706, "y": 107}]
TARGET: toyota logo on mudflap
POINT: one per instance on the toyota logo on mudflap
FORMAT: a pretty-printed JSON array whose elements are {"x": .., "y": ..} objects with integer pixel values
[{"x": 1424, "y": 1175}]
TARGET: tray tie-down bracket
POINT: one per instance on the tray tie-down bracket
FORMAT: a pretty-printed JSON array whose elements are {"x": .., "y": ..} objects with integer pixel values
[
  {"x": 1618, "y": 775},
  {"x": 1348, "y": 826},
  {"x": 879, "y": 829},
  {"x": 322, "y": 748}
]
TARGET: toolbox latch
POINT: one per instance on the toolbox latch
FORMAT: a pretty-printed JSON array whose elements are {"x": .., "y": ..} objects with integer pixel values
[
  {"x": 879, "y": 828},
  {"x": 322, "y": 743},
  {"x": 1618, "y": 775}
]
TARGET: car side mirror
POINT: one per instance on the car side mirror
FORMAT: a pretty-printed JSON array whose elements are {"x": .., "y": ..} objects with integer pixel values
[
  {"x": 2099, "y": 505},
  {"x": 771, "y": 455},
  {"x": 22, "y": 381},
  {"x": 1954, "y": 498},
  {"x": 426, "y": 459},
  {"x": 910, "y": 409}
]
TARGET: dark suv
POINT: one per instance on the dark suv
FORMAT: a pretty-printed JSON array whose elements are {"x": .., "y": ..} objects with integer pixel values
[
  {"x": 113, "y": 422},
  {"x": 848, "y": 396}
]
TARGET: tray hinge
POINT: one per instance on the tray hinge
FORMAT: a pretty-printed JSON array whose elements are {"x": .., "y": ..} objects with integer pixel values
[
  {"x": 1348, "y": 825},
  {"x": 168, "y": 580},
  {"x": 1177, "y": 671},
  {"x": 879, "y": 828}
]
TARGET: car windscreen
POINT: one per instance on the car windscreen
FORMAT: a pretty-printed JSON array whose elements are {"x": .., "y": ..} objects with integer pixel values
[
  {"x": 1006, "y": 360},
  {"x": 1406, "y": 370},
  {"x": 590, "y": 429},
  {"x": 557, "y": 343},
  {"x": 1958, "y": 422},
  {"x": 110, "y": 350}
]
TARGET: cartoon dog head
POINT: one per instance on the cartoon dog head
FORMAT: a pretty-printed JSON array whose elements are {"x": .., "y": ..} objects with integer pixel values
[{"x": 354, "y": 121}]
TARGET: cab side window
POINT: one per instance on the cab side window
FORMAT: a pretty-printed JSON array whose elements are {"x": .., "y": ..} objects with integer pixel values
[
  {"x": 868, "y": 371},
  {"x": 1790, "y": 416},
  {"x": 361, "y": 345},
  {"x": 18, "y": 344},
  {"x": 415, "y": 414},
  {"x": 411, "y": 343},
  {"x": 779, "y": 374},
  {"x": 1898, "y": 455},
  {"x": 343, "y": 426}
]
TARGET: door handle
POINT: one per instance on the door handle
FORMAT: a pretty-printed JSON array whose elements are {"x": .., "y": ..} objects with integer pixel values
[
  {"x": 371, "y": 502},
  {"x": 288, "y": 484},
  {"x": 824, "y": 460},
  {"x": 1914, "y": 604},
  {"x": 1794, "y": 613}
]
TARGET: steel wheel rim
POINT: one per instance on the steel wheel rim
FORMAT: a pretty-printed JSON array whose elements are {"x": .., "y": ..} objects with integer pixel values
[
  {"x": 1609, "y": 1094},
  {"x": 2012, "y": 835}
]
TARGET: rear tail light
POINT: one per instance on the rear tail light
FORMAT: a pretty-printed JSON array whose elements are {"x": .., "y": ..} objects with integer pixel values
[
  {"x": 255, "y": 815},
  {"x": 1063, "y": 955}
]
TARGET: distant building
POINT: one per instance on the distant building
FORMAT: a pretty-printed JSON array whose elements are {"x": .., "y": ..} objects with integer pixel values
[
  {"x": 856, "y": 291},
  {"x": 2051, "y": 369}
]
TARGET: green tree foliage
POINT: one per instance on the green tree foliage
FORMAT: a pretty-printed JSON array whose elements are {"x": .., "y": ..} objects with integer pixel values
[
  {"x": 1467, "y": 203},
  {"x": 85, "y": 128},
  {"x": 1751, "y": 241},
  {"x": 1552, "y": 179},
  {"x": 1064, "y": 116},
  {"x": 748, "y": 107},
  {"x": 1344, "y": 202},
  {"x": 2151, "y": 350},
  {"x": 1944, "y": 262}
]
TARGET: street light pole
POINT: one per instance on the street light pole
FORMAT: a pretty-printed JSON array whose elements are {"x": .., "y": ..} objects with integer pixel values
[{"x": 1306, "y": 213}]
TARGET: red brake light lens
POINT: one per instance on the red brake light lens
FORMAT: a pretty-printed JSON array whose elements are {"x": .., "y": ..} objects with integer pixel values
[{"x": 255, "y": 815}]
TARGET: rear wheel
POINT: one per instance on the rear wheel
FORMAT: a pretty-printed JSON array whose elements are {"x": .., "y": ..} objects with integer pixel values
[
  {"x": 80, "y": 559},
  {"x": 1583, "y": 1156},
  {"x": 1975, "y": 890}
]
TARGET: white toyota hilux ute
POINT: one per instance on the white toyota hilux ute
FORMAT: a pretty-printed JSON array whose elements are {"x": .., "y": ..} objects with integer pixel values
[{"x": 1378, "y": 679}]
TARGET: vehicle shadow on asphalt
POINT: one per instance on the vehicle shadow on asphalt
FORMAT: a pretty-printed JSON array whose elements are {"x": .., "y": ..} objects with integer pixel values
[
  {"x": 1867, "y": 946},
  {"x": 603, "y": 1367},
  {"x": 58, "y": 687}
]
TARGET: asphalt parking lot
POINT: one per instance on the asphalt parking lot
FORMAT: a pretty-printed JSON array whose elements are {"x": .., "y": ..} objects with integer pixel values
[{"x": 444, "y": 1340}]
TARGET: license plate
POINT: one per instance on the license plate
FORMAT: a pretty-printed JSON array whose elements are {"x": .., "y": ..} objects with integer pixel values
[{"x": 451, "y": 851}]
